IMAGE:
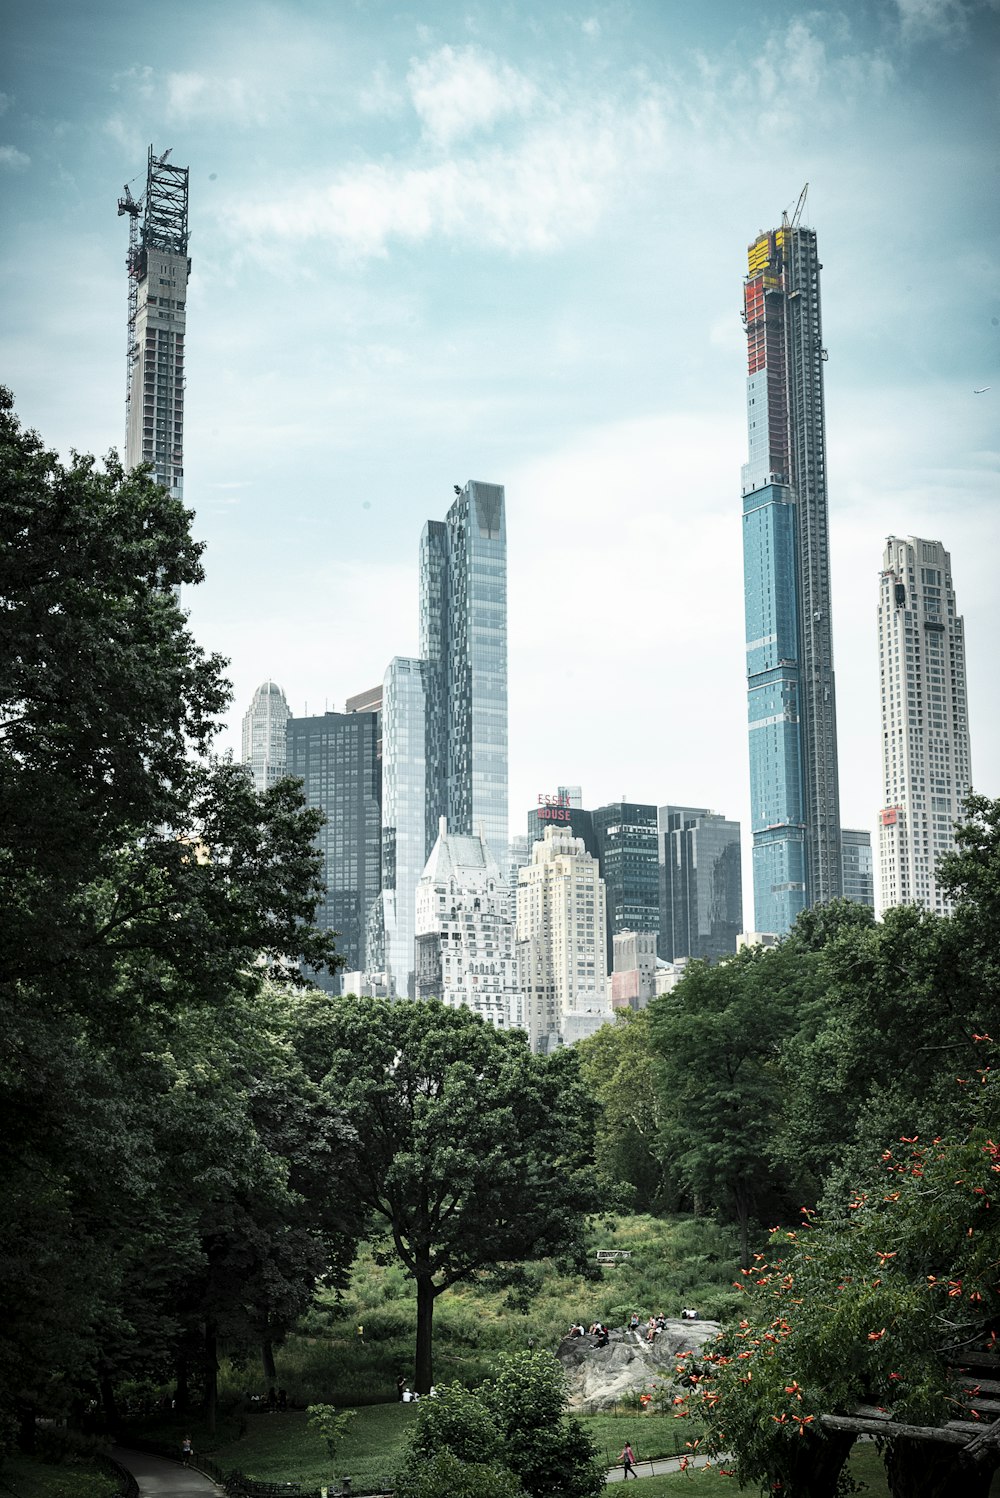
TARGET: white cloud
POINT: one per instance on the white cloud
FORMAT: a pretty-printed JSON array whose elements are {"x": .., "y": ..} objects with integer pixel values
[
  {"x": 553, "y": 186},
  {"x": 591, "y": 26},
  {"x": 462, "y": 89},
  {"x": 923, "y": 20},
  {"x": 13, "y": 159},
  {"x": 201, "y": 96}
]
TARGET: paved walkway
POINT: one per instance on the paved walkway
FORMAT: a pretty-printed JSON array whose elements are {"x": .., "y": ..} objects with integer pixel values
[
  {"x": 159, "y": 1478},
  {"x": 657, "y": 1468}
]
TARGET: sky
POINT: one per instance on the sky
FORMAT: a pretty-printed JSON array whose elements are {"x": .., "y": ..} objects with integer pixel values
[{"x": 506, "y": 241}]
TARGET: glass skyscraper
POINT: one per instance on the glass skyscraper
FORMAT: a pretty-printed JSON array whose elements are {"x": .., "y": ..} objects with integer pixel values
[
  {"x": 625, "y": 833},
  {"x": 463, "y": 642},
  {"x": 794, "y": 797},
  {"x": 335, "y": 755},
  {"x": 403, "y": 824},
  {"x": 701, "y": 883}
]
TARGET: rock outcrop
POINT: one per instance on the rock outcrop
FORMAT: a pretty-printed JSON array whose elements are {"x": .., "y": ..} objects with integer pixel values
[{"x": 598, "y": 1378}]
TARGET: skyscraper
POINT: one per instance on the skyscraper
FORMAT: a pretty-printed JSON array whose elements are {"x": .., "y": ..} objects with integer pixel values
[
  {"x": 264, "y": 742},
  {"x": 403, "y": 823},
  {"x": 925, "y": 720},
  {"x": 158, "y": 270},
  {"x": 463, "y": 640},
  {"x": 561, "y": 942},
  {"x": 465, "y": 936},
  {"x": 701, "y": 883},
  {"x": 859, "y": 869},
  {"x": 625, "y": 833},
  {"x": 794, "y": 795},
  {"x": 335, "y": 756}
]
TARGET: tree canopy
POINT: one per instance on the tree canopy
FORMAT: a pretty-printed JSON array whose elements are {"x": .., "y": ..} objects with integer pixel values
[{"x": 474, "y": 1155}]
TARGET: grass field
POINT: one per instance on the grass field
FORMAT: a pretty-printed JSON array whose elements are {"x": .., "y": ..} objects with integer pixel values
[
  {"x": 25, "y": 1477},
  {"x": 675, "y": 1262}
]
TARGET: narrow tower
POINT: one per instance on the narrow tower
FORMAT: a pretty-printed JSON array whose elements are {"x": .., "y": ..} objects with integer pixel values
[
  {"x": 158, "y": 270},
  {"x": 794, "y": 796},
  {"x": 926, "y": 771}
]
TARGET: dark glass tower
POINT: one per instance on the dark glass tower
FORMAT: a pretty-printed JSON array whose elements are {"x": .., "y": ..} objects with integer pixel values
[
  {"x": 336, "y": 757},
  {"x": 701, "y": 884},
  {"x": 794, "y": 798},
  {"x": 463, "y": 640},
  {"x": 625, "y": 832}
]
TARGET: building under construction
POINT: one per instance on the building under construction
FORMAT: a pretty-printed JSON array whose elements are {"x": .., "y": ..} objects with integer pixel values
[
  {"x": 794, "y": 797},
  {"x": 158, "y": 270}
]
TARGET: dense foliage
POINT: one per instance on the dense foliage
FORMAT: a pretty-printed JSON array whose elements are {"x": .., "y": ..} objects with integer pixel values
[{"x": 515, "y": 1422}]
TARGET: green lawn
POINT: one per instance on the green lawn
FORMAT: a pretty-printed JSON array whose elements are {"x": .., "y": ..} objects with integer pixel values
[
  {"x": 283, "y": 1448},
  {"x": 25, "y": 1477}
]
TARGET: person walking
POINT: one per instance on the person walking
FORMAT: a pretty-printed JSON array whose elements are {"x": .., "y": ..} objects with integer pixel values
[
  {"x": 628, "y": 1462},
  {"x": 187, "y": 1450}
]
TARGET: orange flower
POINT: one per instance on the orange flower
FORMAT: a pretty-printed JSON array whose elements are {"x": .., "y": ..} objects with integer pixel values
[{"x": 876, "y": 1336}]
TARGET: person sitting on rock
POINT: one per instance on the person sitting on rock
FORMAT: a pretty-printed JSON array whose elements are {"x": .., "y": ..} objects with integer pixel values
[
  {"x": 651, "y": 1329},
  {"x": 633, "y": 1325},
  {"x": 603, "y": 1337}
]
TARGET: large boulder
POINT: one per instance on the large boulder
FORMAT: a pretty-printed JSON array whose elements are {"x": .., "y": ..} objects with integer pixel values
[{"x": 598, "y": 1378}]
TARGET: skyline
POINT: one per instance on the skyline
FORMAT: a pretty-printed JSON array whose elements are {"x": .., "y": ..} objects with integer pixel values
[{"x": 442, "y": 245}]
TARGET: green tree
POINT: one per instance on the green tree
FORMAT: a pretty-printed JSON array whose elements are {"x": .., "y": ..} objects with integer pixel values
[
  {"x": 719, "y": 1038},
  {"x": 620, "y": 1067},
  {"x": 473, "y": 1154},
  {"x": 515, "y": 1421},
  {"x": 145, "y": 889},
  {"x": 875, "y": 1306}
]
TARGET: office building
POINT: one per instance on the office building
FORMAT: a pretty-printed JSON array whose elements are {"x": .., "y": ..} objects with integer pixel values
[
  {"x": 335, "y": 757},
  {"x": 701, "y": 883},
  {"x": 633, "y": 969},
  {"x": 390, "y": 947},
  {"x": 925, "y": 720},
  {"x": 264, "y": 738},
  {"x": 563, "y": 808},
  {"x": 625, "y": 833},
  {"x": 465, "y": 937},
  {"x": 858, "y": 865},
  {"x": 562, "y": 942},
  {"x": 158, "y": 271},
  {"x": 794, "y": 796},
  {"x": 463, "y": 640}
]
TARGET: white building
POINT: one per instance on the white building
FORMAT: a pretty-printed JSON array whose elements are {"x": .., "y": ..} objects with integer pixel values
[
  {"x": 465, "y": 938},
  {"x": 925, "y": 723},
  {"x": 633, "y": 973},
  {"x": 264, "y": 736},
  {"x": 562, "y": 942}
]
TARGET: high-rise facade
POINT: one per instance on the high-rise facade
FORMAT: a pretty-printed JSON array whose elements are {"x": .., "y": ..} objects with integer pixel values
[
  {"x": 335, "y": 755},
  {"x": 858, "y": 865},
  {"x": 158, "y": 268},
  {"x": 561, "y": 942},
  {"x": 404, "y": 855},
  {"x": 465, "y": 936},
  {"x": 794, "y": 796},
  {"x": 463, "y": 641},
  {"x": 926, "y": 770},
  {"x": 701, "y": 883},
  {"x": 264, "y": 738},
  {"x": 625, "y": 833}
]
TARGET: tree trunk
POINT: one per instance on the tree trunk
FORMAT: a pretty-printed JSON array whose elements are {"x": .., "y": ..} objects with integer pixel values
[
  {"x": 26, "y": 1428},
  {"x": 211, "y": 1376},
  {"x": 425, "y": 1331},
  {"x": 924, "y": 1469},
  {"x": 181, "y": 1394},
  {"x": 267, "y": 1359},
  {"x": 819, "y": 1461},
  {"x": 108, "y": 1404}
]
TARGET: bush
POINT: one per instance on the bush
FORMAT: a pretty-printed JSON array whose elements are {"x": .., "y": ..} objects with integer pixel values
[{"x": 445, "y": 1473}]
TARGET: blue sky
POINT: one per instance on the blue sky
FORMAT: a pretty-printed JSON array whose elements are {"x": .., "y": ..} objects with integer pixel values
[{"x": 507, "y": 241}]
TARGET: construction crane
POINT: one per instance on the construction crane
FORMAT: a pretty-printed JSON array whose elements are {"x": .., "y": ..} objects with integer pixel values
[{"x": 793, "y": 222}]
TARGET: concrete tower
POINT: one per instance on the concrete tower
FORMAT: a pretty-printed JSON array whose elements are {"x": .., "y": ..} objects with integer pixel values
[
  {"x": 264, "y": 741},
  {"x": 925, "y": 720},
  {"x": 794, "y": 796},
  {"x": 158, "y": 271}
]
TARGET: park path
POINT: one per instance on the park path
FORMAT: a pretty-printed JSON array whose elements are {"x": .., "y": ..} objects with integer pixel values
[
  {"x": 656, "y": 1468},
  {"x": 159, "y": 1478}
]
